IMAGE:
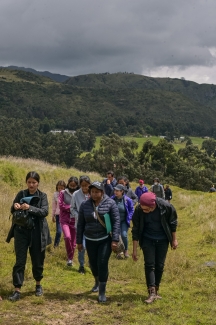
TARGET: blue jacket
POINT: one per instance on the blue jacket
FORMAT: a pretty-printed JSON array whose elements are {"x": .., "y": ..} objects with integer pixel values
[
  {"x": 129, "y": 207},
  {"x": 139, "y": 191},
  {"x": 91, "y": 227},
  {"x": 109, "y": 188}
]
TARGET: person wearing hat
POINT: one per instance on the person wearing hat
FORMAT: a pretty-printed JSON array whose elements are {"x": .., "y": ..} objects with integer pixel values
[
  {"x": 99, "y": 243},
  {"x": 154, "y": 227},
  {"x": 126, "y": 210},
  {"x": 141, "y": 189}
]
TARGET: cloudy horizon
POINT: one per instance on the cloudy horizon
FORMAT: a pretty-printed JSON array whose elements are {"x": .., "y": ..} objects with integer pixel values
[{"x": 155, "y": 38}]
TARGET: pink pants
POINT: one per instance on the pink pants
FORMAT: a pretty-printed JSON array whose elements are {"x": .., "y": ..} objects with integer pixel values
[{"x": 69, "y": 232}]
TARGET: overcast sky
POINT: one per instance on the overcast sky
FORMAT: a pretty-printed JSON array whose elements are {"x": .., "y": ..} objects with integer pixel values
[{"x": 158, "y": 38}]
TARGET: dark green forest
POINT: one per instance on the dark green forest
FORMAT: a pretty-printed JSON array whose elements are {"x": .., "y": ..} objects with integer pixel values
[{"x": 113, "y": 106}]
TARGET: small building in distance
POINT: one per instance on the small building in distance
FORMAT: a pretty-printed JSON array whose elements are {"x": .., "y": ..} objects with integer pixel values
[{"x": 63, "y": 131}]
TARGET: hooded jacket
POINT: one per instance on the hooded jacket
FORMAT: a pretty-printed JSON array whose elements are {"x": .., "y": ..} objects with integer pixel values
[
  {"x": 168, "y": 220},
  {"x": 65, "y": 200},
  {"x": 38, "y": 210},
  {"x": 128, "y": 203},
  {"x": 91, "y": 227}
]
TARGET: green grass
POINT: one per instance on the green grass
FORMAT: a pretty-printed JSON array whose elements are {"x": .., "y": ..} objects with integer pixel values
[
  {"x": 188, "y": 287},
  {"x": 177, "y": 144}
]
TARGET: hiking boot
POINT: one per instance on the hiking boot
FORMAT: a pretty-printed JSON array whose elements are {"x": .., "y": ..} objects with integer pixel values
[
  {"x": 69, "y": 263},
  {"x": 157, "y": 295},
  {"x": 38, "y": 291},
  {"x": 152, "y": 295},
  {"x": 102, "y": 291},
  {"x": 96, "y": 285},
  {"x": 81, "y": 270},
  {"x": 15, "y": 296}
]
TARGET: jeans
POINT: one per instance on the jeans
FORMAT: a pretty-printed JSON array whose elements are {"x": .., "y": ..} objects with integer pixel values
[
  {"x": 69, "y": 232},
  {"x": 81, "y": 255},
  {"x": 99, "y": 253},
  {"x": 58, "y": 231},
  {"x": 154, "y": 252},
  {"x": 124, "y": 234},
  {"x": 25, "y": 239}
]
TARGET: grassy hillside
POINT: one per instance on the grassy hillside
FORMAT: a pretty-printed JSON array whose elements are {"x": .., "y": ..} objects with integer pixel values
[
  {"x": 188, "y": 286},
  {"x": 122, "y": 110}
]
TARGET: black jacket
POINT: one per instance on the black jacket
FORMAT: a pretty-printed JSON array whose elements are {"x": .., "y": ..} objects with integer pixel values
[
  {"x": 91, "y": 227},
  {"x": 168, "y": 220},
  {"x": 39, "y": 210}
]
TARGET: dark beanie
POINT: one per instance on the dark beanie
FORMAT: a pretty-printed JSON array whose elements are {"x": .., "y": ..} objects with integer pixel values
[{"x": 148, "y": 199}]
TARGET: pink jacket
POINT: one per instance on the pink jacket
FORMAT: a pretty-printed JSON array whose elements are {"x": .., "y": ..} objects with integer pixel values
[
  {"x": 55, "y": 204},
  {"x": 65, "y": 198}
]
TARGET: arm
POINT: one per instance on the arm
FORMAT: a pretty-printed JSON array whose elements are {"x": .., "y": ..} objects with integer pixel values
[
  {"x": 54, "y": 206},
  {"x": 115, "y": 221},
  {"x": 62, "y": 205},
  {"x": 130, "y": 208},
  {"x": 134, "y": 197},
  {"x": 73, "y": 209},
  {"x": 162, "y": 192},
  {"x": 174, "y": 241},
  {"x": 80, "y": 227}
]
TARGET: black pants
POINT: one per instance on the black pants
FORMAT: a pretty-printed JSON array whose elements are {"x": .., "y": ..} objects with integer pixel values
[
  {"x": 154, "y": 252},
  {"x": 24, "y": 239},
  {"x": 99, "y": 253}
]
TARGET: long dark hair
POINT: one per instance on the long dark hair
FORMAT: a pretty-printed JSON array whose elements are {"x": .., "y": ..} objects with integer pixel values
[
  {"x": 84, "y": 178},
  {"x": 73, "y": 179},
  {"x": 33, "y": 175}
]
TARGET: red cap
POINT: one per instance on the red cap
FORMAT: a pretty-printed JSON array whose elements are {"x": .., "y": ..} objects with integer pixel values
[
  {"x": 141, "y": 181},
  {"x": 148, "y": 199}
]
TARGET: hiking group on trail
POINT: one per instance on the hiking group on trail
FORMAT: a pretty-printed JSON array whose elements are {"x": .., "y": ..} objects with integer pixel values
[{"x": 94, "y": 217}]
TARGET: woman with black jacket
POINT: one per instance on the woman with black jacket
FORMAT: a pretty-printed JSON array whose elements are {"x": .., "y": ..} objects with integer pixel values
[
  {"x": 35, "y": 239},
  {"x": 99, "y": 244},
  {"x": 154, "y": 228}
]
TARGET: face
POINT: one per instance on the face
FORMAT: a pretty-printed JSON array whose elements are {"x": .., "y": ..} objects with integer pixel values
[
  {"x": 32, "y": 185},
  {"x": 60, "y": 188},
  {"x": 72, "y": 185},
  {"x": 96, "y": 194},
  {"x": 84, "y": 186},
  {"x": 147, "y": 209},
  {"x": 141, "y": 184},
  {"x": 118, "y": 193},
  {"x": 110, "y": 177},
  {"x": 121, "y": 181}
]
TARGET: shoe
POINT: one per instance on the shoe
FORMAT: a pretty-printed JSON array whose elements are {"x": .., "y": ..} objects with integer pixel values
[
  {"x": 152, "y": 295},
  {"x": 102, "y": 292},
  {"x": 69, "y": 263},
  {"x": 96, "y": 285},
  {"x": 157, "y": 294},
  {"x": 81, "y": 270},
  {"x": 15, "y": 296},
  {"x": 126, "y": 255},
  {"x": 38, "y": 291}
]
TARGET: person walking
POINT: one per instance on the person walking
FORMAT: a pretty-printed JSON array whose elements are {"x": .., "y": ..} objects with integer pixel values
[
  {"x": 67, "y": 221},
  {"x": 157, "y": 188},
  {"x": 99, "y": 243},
  {"x": 35, "y": 239},
  {"x": 123, "y": 180},
  {"x": 109, "y": 183},
  {"x": 141, "y": 189},
  {"x": 126, "y": 210},
  {"x": 55, "y": 211},
  {"x": 154, "y": 228},
  {"x": 168, "y": 193},
  {"x": 78, "y": 197}
]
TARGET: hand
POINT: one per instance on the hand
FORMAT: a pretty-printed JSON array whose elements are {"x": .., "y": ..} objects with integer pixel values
[
  {"x": 80, "y": 247},
  {"x": 134, "y": 256},
  {"x": 53, "y": 219},
  {"x": 24, "y": 206},
  {"x": 108, "y": 181},
  {"x": 17, "y": 206},
  {"x": 114, "y": 245},
  {"x": 174, "y": 244}
]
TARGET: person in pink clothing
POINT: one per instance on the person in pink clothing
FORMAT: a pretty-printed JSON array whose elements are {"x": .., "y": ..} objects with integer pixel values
[
  {"x": 67, "y": 221},
  {"x": 55, "y": 211}
]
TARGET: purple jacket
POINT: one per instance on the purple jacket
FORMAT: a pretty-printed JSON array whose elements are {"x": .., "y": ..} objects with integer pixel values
[
  {"x": 129, "y": 207},
  {"x": 139, "y": 191}
]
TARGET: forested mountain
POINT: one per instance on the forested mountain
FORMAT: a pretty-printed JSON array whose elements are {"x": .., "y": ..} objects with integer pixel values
[{"x": 163, "y": 106}]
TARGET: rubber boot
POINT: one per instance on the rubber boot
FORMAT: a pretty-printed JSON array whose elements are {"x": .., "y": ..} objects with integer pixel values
[
  {"x": 157, "y": 294},
  {"x": 102, "y": 291},
  {"x": 96, "y": 285},
  {"x": 152, "y": 295}
]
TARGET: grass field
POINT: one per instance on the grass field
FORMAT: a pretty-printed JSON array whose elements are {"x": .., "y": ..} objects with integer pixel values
[
  {"x": 177, "y": 144},
  {"x": 188, "y": 287}
]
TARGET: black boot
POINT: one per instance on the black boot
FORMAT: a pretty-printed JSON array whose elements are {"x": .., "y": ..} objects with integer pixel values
[
  {"x": 96, "y": 285},
  {"x": 102, "y": 291}
]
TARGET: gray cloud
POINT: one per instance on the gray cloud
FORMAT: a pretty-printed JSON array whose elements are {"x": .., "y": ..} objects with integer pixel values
[{"x": 81, "y": 36}]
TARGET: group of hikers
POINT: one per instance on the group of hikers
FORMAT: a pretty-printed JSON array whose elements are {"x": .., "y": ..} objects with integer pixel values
[{"x": 94, "y": 217}]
